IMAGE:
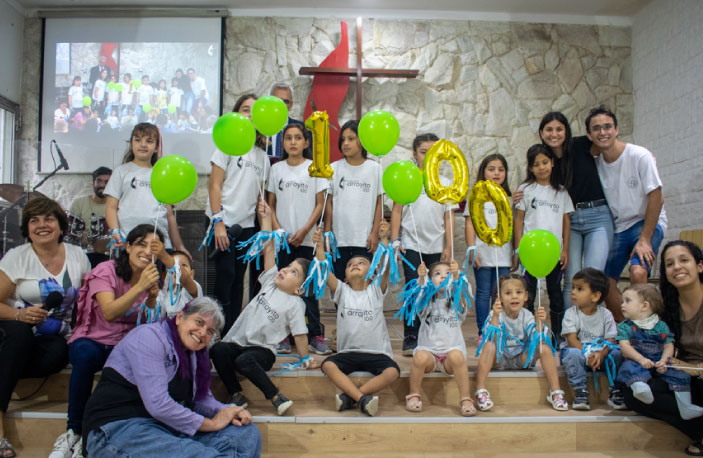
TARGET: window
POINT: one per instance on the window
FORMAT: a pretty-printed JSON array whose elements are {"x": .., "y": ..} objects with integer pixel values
[{"x": 9, "y": 113}]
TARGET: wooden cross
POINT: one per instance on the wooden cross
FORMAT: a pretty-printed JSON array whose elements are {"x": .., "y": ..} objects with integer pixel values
[{"x": 359, "y": 71}]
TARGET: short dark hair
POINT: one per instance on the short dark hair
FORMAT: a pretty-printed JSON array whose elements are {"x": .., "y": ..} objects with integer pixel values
[
  {"x": 43, "y": 206},
  {"x": 600, "y": 110},
  {"x": 595, "y": 279},
  {"x": 352, "y": 125},
  {"x": 305, "y": 264},
  {"x": 101, "y": 171}
]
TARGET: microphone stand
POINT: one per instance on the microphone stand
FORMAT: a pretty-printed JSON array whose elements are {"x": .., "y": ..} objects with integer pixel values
[{"x": 60, "y": 166}]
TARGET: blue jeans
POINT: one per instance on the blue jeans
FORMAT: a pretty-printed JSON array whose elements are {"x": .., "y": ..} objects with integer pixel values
[
  {"x": 485, "y": 291},
  {"x": 590, "y": 241},
  {"x": 142, "y": 437},
  {"x": 87, "y": 357},
  {"x": 623, "y": 244},
  {"x": 574, "y": 363}
]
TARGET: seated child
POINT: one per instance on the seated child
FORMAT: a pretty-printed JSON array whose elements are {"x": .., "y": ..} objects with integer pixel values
[
  {"x": 249, "y": 346},
  {"x": 587, "y": 327},
  {"x": 440, "y": 345},
  {"x": 647, "y": 344},
  {"x": 179, "y": 285},
  {"x": 516, "y": 330},
  {"x": 362, "y": 338}
]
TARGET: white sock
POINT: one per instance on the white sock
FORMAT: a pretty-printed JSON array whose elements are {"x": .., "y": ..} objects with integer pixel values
[
  {"x": 687, "y": 408},
  {"x": 642, "y": 391}
]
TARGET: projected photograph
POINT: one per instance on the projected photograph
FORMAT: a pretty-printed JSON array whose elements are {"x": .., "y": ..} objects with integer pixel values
[{"x": 110, "y": 87}]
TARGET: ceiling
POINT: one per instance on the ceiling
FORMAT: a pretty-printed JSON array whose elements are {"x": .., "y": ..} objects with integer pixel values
[{"x": 604, "y": 8}]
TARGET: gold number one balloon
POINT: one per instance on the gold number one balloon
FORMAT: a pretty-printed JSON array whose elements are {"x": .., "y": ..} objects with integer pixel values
[{"x": 318, "y": 123}]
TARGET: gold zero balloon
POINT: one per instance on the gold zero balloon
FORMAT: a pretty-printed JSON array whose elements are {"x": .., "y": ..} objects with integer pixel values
[
  {"x": 444, "y": 150},
  {"x": 488, "y": 191},
  {"x": 318, "y": 123}
]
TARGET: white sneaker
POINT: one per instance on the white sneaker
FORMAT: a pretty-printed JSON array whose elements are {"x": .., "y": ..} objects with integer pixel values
[
  {"x": 63, "y": 447},
  {"x": 78, "y": 449}
]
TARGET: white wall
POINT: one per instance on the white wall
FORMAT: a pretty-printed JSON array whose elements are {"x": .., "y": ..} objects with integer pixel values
[
  {"x": 11, "y": 31},
  {"x": 667, "y": 63}
]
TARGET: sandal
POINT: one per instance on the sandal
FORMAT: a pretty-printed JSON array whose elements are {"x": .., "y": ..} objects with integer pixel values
[
  {"x": 467, "y": 410},
  {"x": 484, "y": 400},
  {"x": 413, "y": 402},
  {"x": 556, "y": 399},
  {"x": 6, "y": 450},
  {"x": 697, "y": 445}
]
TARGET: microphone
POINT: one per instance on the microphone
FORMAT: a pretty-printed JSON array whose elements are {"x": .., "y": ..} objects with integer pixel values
[
  {"x": 234, "y": 231},
  {"x": 53, "y": 301},
  {"x": 62, "y": 159}
]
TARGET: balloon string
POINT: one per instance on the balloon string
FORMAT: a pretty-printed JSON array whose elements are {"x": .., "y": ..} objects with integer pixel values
[
  {"x": 263, "y": 173},
  {"x": 539, "y": 306},
  {"x": 412, "y": 218},
  {"x": 156, "y": 224},
  {"x": 451, "y": 231},
  {"x": 495, "y": 253},
  {"x": 324, "y": 206}
]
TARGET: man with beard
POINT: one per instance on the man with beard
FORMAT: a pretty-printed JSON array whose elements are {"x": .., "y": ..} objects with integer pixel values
[{"x": 91, "y": 209}]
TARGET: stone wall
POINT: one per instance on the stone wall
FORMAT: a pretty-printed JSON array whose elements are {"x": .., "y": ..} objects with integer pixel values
[
  {"x": 667, "y": 54},
  {"x": 484, "y": 85}
]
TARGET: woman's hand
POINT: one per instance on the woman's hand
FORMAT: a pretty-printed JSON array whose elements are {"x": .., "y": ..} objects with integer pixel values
[
  {"x": 517, "y": 196},
  {"x": 33, "y": 315},
  {"x": 564, "y": 259},
  {"x": 221, "y": 238},
  {"x": 372, "y": 242},
  {"x": 683, "y": 364},
  {"x": 242, "y": 417},
  {"x": 226, "y": 416},
  {"x": 446, "y": 254},
  {"x": 297, "y": 238},
  {"x": 148, "y": 278}
]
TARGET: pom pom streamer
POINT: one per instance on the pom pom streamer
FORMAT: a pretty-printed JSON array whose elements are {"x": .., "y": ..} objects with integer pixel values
[
  {"x": 380, "y": 262},
  {"x": 331, "y": 245},
  {"x": 535, "y": 339},
  {"x": 303, "y": 363},
  {"x": 318, "y": 273},
  {"x": 597, "y": 345},
  {"x": 461, "y": 289},
  {"x": 495, "y": 335},
  {"x": 258, "y": 241},
  {"x": 414, "y": 297},
  {"x": 210, "y": 233}
]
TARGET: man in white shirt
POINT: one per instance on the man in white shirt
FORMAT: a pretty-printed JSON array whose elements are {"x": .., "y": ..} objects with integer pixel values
[
  {"x": 630, "y": 180},
  {"x": 197, "y": 84}
]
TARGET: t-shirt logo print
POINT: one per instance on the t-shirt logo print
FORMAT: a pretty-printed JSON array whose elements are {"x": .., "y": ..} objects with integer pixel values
[
  {"x": 632, "y": 182},
  {"x": 341, "y": 183},
  {"x": 141, "y": 183},
  {"x": 271, "y": 313},
  {"x": 239, "y": 162}
]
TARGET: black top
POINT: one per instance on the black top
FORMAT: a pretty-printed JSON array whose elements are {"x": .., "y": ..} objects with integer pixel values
[{"x": 585, "y": 182}]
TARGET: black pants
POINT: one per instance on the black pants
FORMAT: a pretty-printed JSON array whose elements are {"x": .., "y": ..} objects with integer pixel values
[
  {"x": 345, "y": 254},
  {"x": 664, "y": 406},
  {"x": 24, "y": 355},
  {"x": 252, "y": 362},
  {"x": 312, "y": 308},
  {"x": 414, "y": 258},
  {"x": 556, "y": 299}
]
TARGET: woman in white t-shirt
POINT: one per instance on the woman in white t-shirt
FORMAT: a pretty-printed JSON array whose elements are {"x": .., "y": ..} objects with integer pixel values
[
  {"x": 545, "y": 205},
  {"x": 234, "y": 187},
  {"x": 354, "y": 212},
  {"x": 296, "y": 200},
  {"x": 431, "y": 241},
  {"x": 39, "y": 283}
]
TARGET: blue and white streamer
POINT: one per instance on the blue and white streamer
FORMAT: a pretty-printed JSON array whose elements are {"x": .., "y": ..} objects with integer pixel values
[
  {"x": 534, "y": 340},
  {"x": 318, "y": 273},
  {"x": 258, "y": 241},
  {"x": 210, "y": 233},
  {"x": 495, "y": 335},
  {"x": 597, "y": 345},
  {"x": 415, "y": 297},
  {"x": 331, "y": 245}
]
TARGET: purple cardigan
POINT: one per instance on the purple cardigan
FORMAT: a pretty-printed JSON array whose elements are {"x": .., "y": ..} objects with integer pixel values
[{"x": 146, "y": 358}]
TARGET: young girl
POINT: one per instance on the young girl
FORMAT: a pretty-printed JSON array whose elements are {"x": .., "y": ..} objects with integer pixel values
[
  {"x": 130, "y": 201},
  {"x": 493, "y": 167},
  {"x": 514, "y": 321},
  {"x": 175, "y": 95},
  {"x": 296, "y": 200},
  {"x": 75, "y": 95},
  {"x": 126, "y": 95},
  {"x": 432, "y": 222},
  {"x": 354, "y": 210},
  {"x": 647, "y": 345},
  {"x": 99, "y": 89},
  {"x": 162, "y": 97},
  {"x": 545, "y": 205},
  {"x": 440, "y": 346},
  {"x": 113, "y": 96},
  {"x": 112, "y": 119},
  {"x": 234, "y": 187}
]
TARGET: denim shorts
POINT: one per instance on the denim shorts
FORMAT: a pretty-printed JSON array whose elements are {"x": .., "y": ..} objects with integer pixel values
[{"x": 623, "y": 244}]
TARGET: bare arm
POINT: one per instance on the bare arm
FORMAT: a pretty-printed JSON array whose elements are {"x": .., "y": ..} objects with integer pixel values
[
  {"x": 565, "y": 235},
  {"x": 320, "y": 255},
  {"x": 372, "y": 240},
  {"x": 573, "y": 340},
  {"x": 328, "y": 215},
  {"x": 384, "y": 230},
  {"x": 272, "y": 203},
  {"x": 449, "y": 229},
  {"x": 173, "y": 232},
  {"x": 396, "y": 218},
  {"x": 470, "y": 236},
  {"x": 113, "y": 308},
  {"x": 643, "y": 249},
  {"x": 629, "y": 352},
  {"x": 269, "y": 252},
  {"x": 214, "y": 190}
]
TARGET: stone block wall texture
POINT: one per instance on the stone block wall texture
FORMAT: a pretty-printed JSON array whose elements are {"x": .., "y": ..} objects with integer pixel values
[
  {"x": 483, "y": 85},
  {"x": 667, "y": 60}
]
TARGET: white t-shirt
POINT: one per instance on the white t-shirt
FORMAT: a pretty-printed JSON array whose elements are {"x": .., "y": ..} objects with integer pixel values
[
  {"x": 113, "y": 95},
  {"x": 161, "y": 98},
  {"x": 626, "y": 183},
  {"x": 589, "y": 327},
  {"x": 169, "y": 310},
  {"x": 113, "y": 121},
  {"x": 296, "y": 193},
  {"x": 355, "y": 190},
  {"x": 440, "y": 330},
  {"x": 429, "y": 219},
  {"x": 516, "y": 330},
  {"x": 131, "y": 185},
  {"x": 145, "y": 92},
  {"x": 176, "y": 95},
  {"x": 59, "y": 114},
  {"x": 99, "y": 90},
  {"x": 76, "y": 94},
  {"x": 489, "y": 253},
  {"x": 244, "y": 176},
  {"x": 198, "y": 86},
  {"x": 269, "y": 317},
  {"x": 127, "y": 93},
  {"x": 361, "y": 326},
  {"x": 544, "y": 208}
]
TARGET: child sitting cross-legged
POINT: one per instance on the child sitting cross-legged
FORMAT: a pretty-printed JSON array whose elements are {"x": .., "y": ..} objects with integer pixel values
[
  {"x": 362, "y": 337},
  {"x": 589, "y": 330},
  {"x": 513, "y": 340},
  {"x": 440, "y": 345}
]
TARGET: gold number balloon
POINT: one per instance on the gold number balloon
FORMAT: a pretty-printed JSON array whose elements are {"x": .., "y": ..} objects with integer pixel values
[
  {"x": 318, "y": 123},
  {"x": 444, "y": 150},
  {"x": 488, "y": 191}
]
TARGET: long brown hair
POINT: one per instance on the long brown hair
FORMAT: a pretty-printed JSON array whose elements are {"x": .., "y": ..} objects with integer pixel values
[{"x": 143, "y": 129}]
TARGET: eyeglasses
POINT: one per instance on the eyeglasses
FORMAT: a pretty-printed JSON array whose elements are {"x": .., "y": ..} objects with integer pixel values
[{"x": 604, "y": 127}]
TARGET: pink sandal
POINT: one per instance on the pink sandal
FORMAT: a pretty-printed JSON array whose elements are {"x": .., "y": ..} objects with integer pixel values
[
  {"x": 467, "y": 410},
  {"x": 413, "y": 402}
]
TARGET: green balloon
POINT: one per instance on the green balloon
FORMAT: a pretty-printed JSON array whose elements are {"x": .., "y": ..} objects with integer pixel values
[
  {"x": 146, "y": 107},
  {"x": 137, "y": 84},
  {"x": 234, "y": 134},
  {"x": 378, "y": 132},
  {"x": 111, "y": 85},
  {"x": 539, "y": 252},
  {"x": 269, "y": 114},
  {"x": 87, "y": 101},
  {"x": 173, "y": 179},
  {"x": 402, "y": 181},
  {"x": 171, "y": 108},
  {"x": 119, "y": 87}
]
